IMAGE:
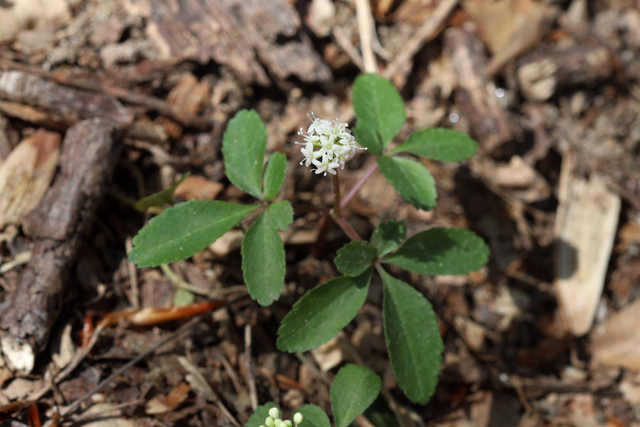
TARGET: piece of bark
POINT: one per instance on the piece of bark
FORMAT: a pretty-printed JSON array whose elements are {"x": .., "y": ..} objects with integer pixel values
[
  {"x": 544, "y": 73},
  {"x": 475, "y": 95},
  {"x": 240, "y": 34},
  {"x": 56, "y": 225},
  {"x": 585, "y": 229},
  {"x": 71, "y": 104}
]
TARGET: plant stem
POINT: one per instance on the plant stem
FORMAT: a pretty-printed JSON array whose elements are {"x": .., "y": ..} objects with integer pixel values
[
  {"x": 348, "y": 230},
  {"x": 358, "y": 185},
  {"x": 336, "y": 196}
]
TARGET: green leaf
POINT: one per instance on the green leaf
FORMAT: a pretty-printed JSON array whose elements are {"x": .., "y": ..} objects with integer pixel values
[
  {"x": 369, "y": 138},
  {"x": 352, "y": 391},
  {"x": 281, "y": 214},
  {"x": 413, "y": 338},
  {"x": 274, "y": 174},
  {"x": 184, "y": 230},
  {"x": 260, "y": 415},
  {"x": 263, "y": 263},
  {"x": 380, "y": 414},
  {"x": 441, "y": 251},
  {"x": 411, "y": 180},
  {"x": 388, "y": 236},
  {"x": 243, "y": 146},
  {"x": 355, "y": 257},
  {"x": 445, "y": 145},
  {"x": 314, "y": 416},
  {"x": 161, "y": 198},
  {"x": 322, "y": 312},
  {"x": 378, "y": 106}
]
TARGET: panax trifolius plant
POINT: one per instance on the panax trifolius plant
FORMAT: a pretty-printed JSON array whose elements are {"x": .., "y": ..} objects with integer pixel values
[
  {"x": 411, "y": 332},
  {"x": 353, "y": 390}
]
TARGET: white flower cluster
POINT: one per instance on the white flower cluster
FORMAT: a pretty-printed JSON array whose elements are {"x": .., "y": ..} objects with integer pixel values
[
  {"x": 273, "y": 420},
  {"x": 327, "y": 145}
]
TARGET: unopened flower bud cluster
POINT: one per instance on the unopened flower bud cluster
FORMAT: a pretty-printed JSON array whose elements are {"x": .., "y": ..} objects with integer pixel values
[
  {"x": 327, "y": 145},
  {"x": 273, "y": 420}
]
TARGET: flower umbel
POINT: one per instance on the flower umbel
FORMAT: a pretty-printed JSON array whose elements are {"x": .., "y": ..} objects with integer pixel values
[
  {"x": 273, "y": 420},
  {"x": 327, "y": 145}
]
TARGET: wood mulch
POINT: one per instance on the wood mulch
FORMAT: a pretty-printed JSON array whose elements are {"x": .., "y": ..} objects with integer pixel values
[{"x": 105, "y": 102}]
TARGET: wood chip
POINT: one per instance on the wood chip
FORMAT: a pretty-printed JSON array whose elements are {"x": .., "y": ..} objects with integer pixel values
[
  {"x": 617, "y": 341},
  {"x": 242, "y": 35},
  {"x": 586, "y": 223},
  {"x": 25, "y": 14},
  {"x": 26, "y": 175},
  {"x": 190, "y": 96},
  {"x": 510, "y": 27}
]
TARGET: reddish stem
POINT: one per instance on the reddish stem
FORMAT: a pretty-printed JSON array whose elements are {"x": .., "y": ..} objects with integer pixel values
[{"x": 358, "y": 185}]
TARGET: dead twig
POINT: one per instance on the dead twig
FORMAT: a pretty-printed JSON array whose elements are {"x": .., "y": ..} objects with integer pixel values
[
  {"x": 366, "y": 29},
  {"x": 251, "y": 380}
]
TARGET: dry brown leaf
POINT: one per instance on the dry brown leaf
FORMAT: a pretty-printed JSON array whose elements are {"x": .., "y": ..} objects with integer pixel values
[
  {"x": 586, "y": 224},
  {"x": 198, "y": 188},
  {"x": 190, "y": 96},
  {"x": 509, "y": 27},
  {"x": 617, "y": 341},
  {"x": 26, "y": 174},
  {"x": 415, "y": 12},
  {"x": 163, "y": 404}
]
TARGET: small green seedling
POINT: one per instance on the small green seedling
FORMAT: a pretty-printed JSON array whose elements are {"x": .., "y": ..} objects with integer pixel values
[
  {"x": 352, "y": 391},
  {"x": 410, "y": 325}
]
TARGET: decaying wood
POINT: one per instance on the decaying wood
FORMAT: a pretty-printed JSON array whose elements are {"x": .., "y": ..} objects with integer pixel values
[
  {"x": 585, "y": 229},
  {"x": 542, "y": 74},
  {"x": 240, "y": 34},
  {"x": 26, "y": 174},
  {"x": 56, "y": 225},
  {"x": 476, "y": 94},
  {"x": 71, "y": 104}
]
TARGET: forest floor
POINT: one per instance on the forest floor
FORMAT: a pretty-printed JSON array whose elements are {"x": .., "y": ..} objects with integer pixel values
[{"x": 546, "y": 334}]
